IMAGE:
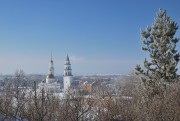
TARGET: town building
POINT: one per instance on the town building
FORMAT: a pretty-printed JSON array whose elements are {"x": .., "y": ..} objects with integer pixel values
[
  {"x": 50, "y": 84},
  {"x": 88, "y": 86}
]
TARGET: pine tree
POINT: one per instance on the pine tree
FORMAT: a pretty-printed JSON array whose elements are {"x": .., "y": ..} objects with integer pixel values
[{"x": 160, "y": 42}]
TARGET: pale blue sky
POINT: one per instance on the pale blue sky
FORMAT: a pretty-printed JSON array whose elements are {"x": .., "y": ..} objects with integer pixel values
[{"x": 100, "y": 36}]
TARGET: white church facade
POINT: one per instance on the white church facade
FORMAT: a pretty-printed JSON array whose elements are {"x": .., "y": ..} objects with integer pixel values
[{"x": 51, "y": 84}]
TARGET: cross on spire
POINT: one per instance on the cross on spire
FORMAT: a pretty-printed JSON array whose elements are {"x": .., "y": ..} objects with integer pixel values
[{"x": 51, "y": 55}]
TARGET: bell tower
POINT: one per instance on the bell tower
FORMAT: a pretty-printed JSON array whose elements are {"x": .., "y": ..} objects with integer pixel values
[
  {"x": 50, "y": 77},
  {"x": 67, "y": 77}
]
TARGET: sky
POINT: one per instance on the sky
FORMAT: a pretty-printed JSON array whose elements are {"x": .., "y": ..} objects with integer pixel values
[{"x": 100, "y": 36}]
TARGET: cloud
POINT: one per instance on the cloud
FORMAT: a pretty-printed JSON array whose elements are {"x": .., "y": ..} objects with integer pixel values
[
  {"x": 76, "y": 58},
  {"x": 104, "y": 66}
]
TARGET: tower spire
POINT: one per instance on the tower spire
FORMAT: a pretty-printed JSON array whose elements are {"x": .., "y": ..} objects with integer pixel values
[
  {"x": 50, "y": 76},
  {"x": 67, "y": 59},
  {"x": 51, "y": 55}
]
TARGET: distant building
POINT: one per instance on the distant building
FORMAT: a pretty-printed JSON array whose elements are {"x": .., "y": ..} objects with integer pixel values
[
  {"x": 50, "y": 84},
  {"x": 88, "y": 86},
  {"x": 67, "y": 77}
]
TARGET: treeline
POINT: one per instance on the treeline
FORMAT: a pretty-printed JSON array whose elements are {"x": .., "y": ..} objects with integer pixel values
[{"x": 130, "y": 104}]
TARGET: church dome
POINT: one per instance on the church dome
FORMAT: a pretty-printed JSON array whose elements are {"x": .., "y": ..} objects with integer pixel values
[{"x": 50, "y": 76}]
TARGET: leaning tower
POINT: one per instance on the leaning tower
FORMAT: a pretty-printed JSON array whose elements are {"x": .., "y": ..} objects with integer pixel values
[{"x": 68, "y": 77}]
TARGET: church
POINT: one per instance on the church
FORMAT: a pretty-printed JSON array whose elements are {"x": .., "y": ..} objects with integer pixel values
[{"x": 51, "y": 84}]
